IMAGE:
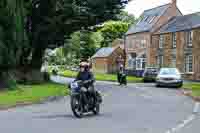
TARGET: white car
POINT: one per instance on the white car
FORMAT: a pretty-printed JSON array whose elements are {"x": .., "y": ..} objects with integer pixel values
[{"x": 169, "y": 77}]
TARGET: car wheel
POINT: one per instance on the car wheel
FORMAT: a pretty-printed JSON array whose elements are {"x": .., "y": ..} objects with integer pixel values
[
  {"x": 157, "y": 85},
  {"x": 180, "y": 85}
]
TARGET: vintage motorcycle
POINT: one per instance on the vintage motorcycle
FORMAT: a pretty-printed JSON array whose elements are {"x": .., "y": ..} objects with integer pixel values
[{"x": 82, "y": 100}]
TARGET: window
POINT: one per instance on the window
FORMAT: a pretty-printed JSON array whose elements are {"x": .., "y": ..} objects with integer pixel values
[
  {"x": 151, "y": 20},
  {"x": 160, "y": 60},
  {"x": 188, "y": 63},
  {"x": 146, "y": 18},
  {"x": 161, "y": 42},
  {"x": 131, "y": 61},
  {"x": 143, "y": 42},
  {"x": 173, "y": 40},
  {"x": 140, "y": 63},
  {"x": 139, "y": 21},
  {"x": 189, "y": 38}
]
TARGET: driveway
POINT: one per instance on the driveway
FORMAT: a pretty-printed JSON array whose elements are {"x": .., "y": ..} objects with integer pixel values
[{"x": 137, "y": 108}]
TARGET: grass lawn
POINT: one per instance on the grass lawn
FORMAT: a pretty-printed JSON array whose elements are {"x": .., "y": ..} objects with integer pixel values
[
  {"x": 31, "y": 93},
  {"x": 100, "y": 77},
  {"x": 195, "y": 87}
]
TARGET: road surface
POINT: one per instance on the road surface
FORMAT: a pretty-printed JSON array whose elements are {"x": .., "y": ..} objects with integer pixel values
[{"x": 137, "y": 108}]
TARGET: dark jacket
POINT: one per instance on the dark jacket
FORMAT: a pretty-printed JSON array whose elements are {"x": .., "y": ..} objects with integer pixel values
[{"x": 83, "y": 76}]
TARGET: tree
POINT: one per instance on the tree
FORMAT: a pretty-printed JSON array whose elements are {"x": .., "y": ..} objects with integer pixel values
[
  {"x": 50, "y": 21},
  {"x": 11, "y": 37},
  {"x": 127, "y": 18},
  {"x": 112, "y": 30},
  {"x": 83, "y": 44},
  {"x": 35, "y": 25}
]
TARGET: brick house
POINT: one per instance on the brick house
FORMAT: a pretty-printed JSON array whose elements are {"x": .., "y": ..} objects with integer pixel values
[
  {"x": 107, "y": 59},
  {"x": 139, "y": 37},
  {"x": 177, "y": 44}
]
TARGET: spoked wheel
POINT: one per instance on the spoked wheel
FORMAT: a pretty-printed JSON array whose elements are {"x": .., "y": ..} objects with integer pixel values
[{"x": 76, "y": 107}]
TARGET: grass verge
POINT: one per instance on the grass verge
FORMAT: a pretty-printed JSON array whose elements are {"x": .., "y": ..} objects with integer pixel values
[
  {"x": 194, "y": 87},
  {"x": 31, "y": 94},
  {"x": 101, "y": 77}
]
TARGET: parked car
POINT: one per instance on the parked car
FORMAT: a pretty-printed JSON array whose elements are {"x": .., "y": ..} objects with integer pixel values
[
  {"x": 150, "y": 74},
  {"x": 169, "y": 77}
]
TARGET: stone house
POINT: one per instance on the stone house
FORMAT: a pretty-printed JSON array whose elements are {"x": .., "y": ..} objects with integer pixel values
[
  {"x": 138, "y": 40},
  {"x": 107, "y": 59},
  {"x": 177, "y": 44}
]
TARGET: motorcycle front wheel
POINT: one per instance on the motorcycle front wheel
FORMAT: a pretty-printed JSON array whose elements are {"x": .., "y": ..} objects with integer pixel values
[
  {"x": 76, "y": 106},
  {"x": 96, "y": 109}
]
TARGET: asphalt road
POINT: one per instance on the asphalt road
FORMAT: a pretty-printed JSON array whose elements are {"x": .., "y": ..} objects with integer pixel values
[{"x": 137, "y": 108}]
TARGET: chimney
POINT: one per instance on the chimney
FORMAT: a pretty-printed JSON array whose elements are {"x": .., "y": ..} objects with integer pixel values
[{"x": 174, "y": 2}]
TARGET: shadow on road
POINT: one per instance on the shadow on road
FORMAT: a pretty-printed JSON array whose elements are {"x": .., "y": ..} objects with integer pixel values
[{"x": 71, "y": 116}]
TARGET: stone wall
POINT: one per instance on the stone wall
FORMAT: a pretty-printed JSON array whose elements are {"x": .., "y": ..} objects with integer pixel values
[
  {"x": 154, "y": 50},
  {"x": 180, "y": 58},
  {"x": 196, "y": 53},
  {"x": 167, "y": 49}
]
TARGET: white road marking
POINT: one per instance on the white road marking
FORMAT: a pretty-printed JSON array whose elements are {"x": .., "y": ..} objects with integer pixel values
[
  {"x": 196, "y": 108},
  {"x": 182, "y": 125},
  {"x": 186, "y": 121}
]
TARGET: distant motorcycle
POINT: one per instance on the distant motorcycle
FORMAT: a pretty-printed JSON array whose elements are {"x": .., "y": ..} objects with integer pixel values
[
  {"x": 82, "y": 101},
  {"x": 122, "y": 79}
]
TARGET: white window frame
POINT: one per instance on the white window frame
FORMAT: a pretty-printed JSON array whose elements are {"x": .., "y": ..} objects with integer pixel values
[
  {"x": 143, "y": 43},
  {"x": 189, "y": 64},
  {"x": 161, "y": 41},
  {"x": 189, "y": 38},
  {"x": 131, "y": 62},
  {"x": 174, "y": 38},
  {"x": 139, "y": 63},
  {"x": 160, "y": 60}
]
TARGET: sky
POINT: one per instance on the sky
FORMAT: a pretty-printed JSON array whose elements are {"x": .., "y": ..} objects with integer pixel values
[{"x": 136, "y": 7}]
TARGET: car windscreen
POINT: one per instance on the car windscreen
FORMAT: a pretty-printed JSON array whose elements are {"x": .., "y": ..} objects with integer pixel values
[{"x": 169, "y": 72}]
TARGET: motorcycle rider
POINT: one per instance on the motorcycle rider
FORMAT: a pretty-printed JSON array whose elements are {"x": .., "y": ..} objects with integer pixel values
[
  {"x": 121, "y": 76},
  {"x": 87, "y": 77}
]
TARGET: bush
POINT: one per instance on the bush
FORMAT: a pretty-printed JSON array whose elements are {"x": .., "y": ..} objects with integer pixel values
[{"x": 12, "y": 84}]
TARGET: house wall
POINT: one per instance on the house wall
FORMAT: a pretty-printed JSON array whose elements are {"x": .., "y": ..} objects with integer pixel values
[
  {"x": 112, "y": 60},
  {"x": 196, "y": 53},
  {"x": 137, "y": 43},
  {"x": 133, "y": 41},
  {"x": 107, "y": 64},
  {"x": 167, "y": 49},
  {"x": 154, "y": 50},
  {"x": 100, "y": 65},
  {"x": 180, "y": 52},
  {"x": 180, "y": 58}
]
